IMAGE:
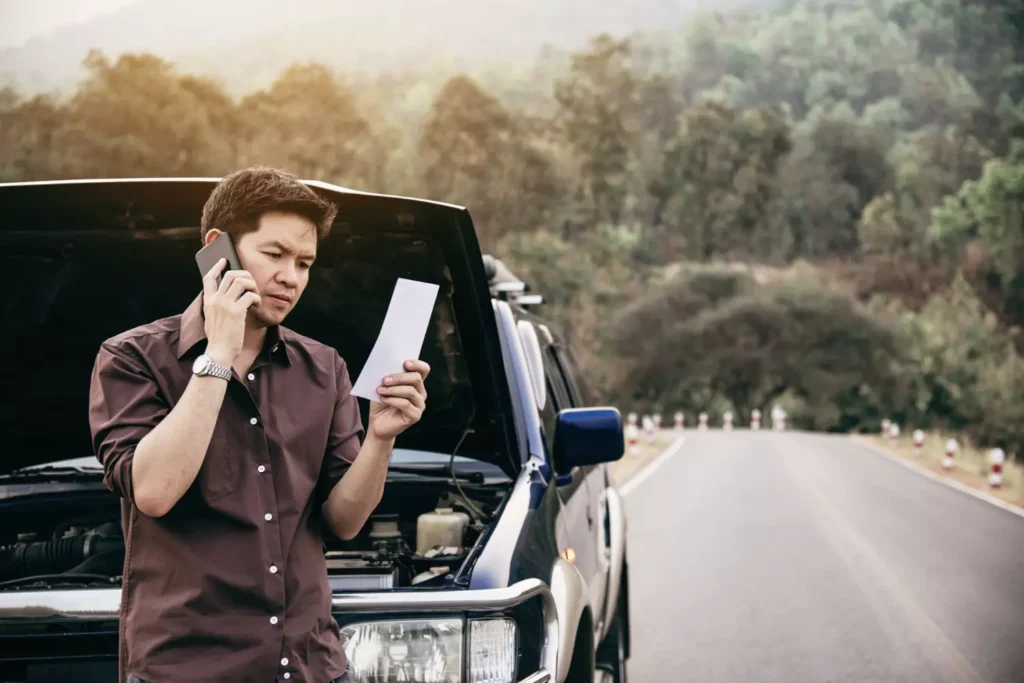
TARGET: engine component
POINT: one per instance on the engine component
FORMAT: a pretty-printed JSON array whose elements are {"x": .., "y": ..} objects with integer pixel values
[
  {"x": 355, "y": 571},
  {"x": 431, "y": 573},
  {"x": 100, "y": 551},
  {"x": 442, "y": 527},
  {"x": 385, "y": 537}
]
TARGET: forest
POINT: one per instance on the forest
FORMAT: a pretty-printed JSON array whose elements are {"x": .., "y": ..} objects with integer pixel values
[{"x": 817, "y": 204}]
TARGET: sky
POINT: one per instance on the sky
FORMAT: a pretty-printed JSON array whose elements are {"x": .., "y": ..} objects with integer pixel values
[{"x": 21, "y": 20}]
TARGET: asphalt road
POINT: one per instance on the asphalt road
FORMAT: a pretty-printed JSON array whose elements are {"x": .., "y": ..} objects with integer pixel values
[{"x": 762, "y": 556}]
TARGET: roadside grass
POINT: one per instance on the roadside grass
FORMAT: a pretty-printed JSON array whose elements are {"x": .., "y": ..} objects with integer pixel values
[
  {"x": 629, "y": 464},
  {"x": 970, "y": 464}
]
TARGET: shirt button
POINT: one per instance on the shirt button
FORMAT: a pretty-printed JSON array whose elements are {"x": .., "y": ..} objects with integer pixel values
[
  {"x": 284, "y": 661},
  {"x": 273, "y": 621},
  {"x": 268, "y": 516},
  {"x": 273, "y": 570},
  {"x": 261, "y": 469},
  {"x": 253, "y": 421},
  {"x": 287, "y": 675},
  {"x": 251, "y": 377}
]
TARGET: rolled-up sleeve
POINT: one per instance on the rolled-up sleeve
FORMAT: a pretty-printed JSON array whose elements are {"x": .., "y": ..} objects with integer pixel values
[
  {"x": 345, "y": 437},
  {"x": 125, "y": 404}
]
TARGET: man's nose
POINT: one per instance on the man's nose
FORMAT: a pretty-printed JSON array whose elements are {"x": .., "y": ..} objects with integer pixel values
[{"x": 288, "y": 275}]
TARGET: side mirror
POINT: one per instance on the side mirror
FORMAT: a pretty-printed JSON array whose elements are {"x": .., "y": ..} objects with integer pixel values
[{"x": 587, "y": 436}]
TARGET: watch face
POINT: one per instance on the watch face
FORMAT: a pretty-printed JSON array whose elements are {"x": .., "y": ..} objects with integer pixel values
[{"x": 201, "y": 364}]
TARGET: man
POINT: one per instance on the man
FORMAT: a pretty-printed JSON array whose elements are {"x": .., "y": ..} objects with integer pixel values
[{"x": 232, "y": 441}]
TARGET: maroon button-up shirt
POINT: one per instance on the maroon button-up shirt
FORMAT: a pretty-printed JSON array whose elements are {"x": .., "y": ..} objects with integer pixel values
[{"x": 231, "y": 584}]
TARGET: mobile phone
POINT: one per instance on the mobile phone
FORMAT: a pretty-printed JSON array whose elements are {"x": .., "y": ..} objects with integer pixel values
[{"x": 219, "y": 248}]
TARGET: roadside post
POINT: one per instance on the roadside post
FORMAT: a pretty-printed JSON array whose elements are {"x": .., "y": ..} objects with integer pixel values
[
  {"x": 918, "y": 442},
  {"x": 995, "y": 477},
  {"x": 679, "y": 421},
  {"x": 648, "y": 424},
  {"x": 727, "y": 420},
  {"x": 885, "y": 427},
  {"x": 755, "y": 419},
  {"x": 703, "y": 419},
  {"x": 657, "y": 421},
  {"x": 631, "y": 435},
  {"x": 894, "y": 431},
  {"x": 951, "y": 448},
  {"x": 779, "y": 418}
]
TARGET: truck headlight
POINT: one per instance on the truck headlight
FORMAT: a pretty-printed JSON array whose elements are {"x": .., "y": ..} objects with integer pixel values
[
  {"x": 428, "y": 650},
  {"x": 492, "y": 650}
]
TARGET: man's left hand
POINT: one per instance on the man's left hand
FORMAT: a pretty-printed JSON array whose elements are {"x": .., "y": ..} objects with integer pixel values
[{"x": 402, "y": 401}]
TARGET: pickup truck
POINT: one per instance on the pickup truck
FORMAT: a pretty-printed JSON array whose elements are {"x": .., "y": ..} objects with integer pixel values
[{"x": 511, "y": 447}]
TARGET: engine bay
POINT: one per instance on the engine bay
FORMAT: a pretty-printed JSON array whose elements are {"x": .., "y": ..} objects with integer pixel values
[{"x": 419, "y": 536}]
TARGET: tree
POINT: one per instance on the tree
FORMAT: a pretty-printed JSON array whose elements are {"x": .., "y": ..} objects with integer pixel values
[
  {"x": 752, "y": 343},
  {"x": 27, "y": 129},
  {"x": 307, "y": 122},
  {"x": 475, "y": 152},
  {"x": 596, "y": 100},
  {"x": 837, "y": 166},
  {"x": 989, "y": 212},
  {"x": 719, "y": 185},
  {"x": 138, "y": 117}
]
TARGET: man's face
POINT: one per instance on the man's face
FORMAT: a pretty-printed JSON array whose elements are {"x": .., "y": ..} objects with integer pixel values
[{"x": 279, "y": 255}]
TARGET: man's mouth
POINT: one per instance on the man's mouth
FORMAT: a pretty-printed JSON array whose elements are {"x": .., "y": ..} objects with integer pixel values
[{"x": 280, "y": 299}]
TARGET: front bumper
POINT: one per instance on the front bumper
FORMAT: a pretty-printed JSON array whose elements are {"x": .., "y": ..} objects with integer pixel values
[{"x": 40, "y": 607}]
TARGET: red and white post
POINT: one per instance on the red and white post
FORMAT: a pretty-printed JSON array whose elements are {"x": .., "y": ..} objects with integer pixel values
[
  {"x": 918, "y": 442},
  {"x": 657, "y": 421},
  {"x": 648, "y": 424},
  {"x": 995, "y": 477},
  {"x": 779, "y": 418},
  {"x": 631, "y": 437},
  {"x": 951, "y": 448},
  {"x": 727, "y": 420},
  {"x": 755, "y": 419},
  {"x": 885, "y": 427},
  {"x": 679, "y": 421},
  {"x": 702, "y": 422},
  {"x": 894, "y": 431}
]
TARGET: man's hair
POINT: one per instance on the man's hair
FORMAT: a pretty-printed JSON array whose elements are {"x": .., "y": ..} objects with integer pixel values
[{"x": 238, "y": 201}]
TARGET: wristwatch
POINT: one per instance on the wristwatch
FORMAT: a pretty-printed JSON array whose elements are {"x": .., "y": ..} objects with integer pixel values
[{"x": 205, "y": 365}]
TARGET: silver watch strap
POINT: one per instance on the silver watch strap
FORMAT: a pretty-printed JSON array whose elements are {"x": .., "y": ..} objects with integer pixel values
[{"x": 219, "y": 371}]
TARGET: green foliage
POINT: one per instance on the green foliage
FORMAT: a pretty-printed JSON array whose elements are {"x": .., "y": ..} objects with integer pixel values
[
  {"x": 465, "y": 132},
  {"x": 990, "y": 212},
  {"x": 719, "y": 332},
  {"x": 720, "y": 192}
]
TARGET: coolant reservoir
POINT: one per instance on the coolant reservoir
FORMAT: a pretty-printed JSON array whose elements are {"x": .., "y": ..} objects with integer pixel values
[{"x": 442, "y": 527}]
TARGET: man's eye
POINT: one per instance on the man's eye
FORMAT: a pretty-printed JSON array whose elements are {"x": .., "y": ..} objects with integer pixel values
[
  {"x": 304, "y": 266},
  {"x": 272, "y": 254}
]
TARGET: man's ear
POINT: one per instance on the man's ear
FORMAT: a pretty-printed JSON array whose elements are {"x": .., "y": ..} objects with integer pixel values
[{"x": 210, "y": 236}]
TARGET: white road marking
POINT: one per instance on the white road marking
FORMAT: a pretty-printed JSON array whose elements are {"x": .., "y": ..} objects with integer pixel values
[
  {"x": 952, "y": 483},
  {"x": 652, "y": 467}
]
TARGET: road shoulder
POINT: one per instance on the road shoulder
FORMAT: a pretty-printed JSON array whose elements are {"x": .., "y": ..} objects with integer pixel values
[
  {"x": 899, "y": 459},
  {"x": 633, "y": 468}
]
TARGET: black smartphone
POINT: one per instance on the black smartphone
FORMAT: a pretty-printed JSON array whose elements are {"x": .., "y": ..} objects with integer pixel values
[{"x": 219, "y": 248}]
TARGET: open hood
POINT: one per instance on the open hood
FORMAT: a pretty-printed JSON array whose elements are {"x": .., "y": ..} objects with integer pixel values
[{"x": 86, "y": 260}]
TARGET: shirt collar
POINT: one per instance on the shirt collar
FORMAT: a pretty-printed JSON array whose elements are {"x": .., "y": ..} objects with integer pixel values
[{"x": 193, "y": 331}]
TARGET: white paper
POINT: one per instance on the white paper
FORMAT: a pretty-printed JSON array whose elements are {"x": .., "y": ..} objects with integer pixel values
[{"x": 401, "y": 336}]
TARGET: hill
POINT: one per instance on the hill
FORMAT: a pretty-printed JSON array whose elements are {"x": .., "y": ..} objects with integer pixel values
[{"x": 246, "y": 43}]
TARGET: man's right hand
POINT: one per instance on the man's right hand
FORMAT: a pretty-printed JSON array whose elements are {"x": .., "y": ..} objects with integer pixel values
[{"x": 225, "y": 308}]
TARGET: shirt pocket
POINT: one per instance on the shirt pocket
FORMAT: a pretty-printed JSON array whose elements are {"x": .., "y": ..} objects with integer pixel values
[{"x": 218, "y": 476}]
